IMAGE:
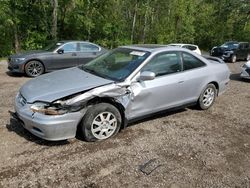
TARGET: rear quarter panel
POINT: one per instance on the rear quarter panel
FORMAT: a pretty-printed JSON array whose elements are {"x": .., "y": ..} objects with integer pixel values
[{"x": 219, "y": 73}]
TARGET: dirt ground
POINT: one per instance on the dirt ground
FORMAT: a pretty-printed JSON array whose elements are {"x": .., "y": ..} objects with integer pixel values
[{"x": 184, "y": 148}]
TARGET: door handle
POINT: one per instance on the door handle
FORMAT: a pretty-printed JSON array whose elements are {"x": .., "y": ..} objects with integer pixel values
[
  {"x": 181, "y": 81},
  {"x": 74, "y": 54}
]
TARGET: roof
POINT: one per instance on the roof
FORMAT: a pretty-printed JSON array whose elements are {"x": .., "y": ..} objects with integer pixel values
[
  {"x": 146, "y": 47},
  {"x": 181, "y": 44},
  {"x": 65, "y": 41}
]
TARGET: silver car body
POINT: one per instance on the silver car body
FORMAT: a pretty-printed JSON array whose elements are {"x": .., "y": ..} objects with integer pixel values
[
  {"x": 74, "y": 87},
  {"x": 245, "y": 70}
]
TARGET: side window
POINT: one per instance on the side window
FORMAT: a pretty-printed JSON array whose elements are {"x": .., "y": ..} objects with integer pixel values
[
  {"x": 164, "y": 63},
  {"x": 85, "y": 47},
  {"x": 190, "y": 47},
  {"x": 191, "y": 62},
  {"x": 247, "y": 45},
  {"x": 70, "y": 47},
  {"x": 241, "y": 46}
]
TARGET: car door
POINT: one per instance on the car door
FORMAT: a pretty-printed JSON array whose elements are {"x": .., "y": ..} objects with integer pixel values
[
  {"x": 245, "y": 50},
  {"x": 241, "y": 51},
  {"x": 163, "y": 92},
  {"x": 194, "y": 77},
  {"x": 65, "y": 57},
  {"x": 87, "y": 52}
]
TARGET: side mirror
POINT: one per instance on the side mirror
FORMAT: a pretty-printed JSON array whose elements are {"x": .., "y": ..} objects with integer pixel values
[
  {"x": 147, "y": 75},
  {"x": 60, "y": 51}
]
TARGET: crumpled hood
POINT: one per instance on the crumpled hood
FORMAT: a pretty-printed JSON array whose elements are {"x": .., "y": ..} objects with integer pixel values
[{"x": 52, "y": 86}]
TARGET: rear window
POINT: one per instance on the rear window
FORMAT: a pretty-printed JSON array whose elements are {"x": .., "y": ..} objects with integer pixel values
[
  {"x": 85, "y": 47},
  {"x": 247, "y": 45},
  {"x": 191, "y": 62},
  {"x": 190, "y": 47}
]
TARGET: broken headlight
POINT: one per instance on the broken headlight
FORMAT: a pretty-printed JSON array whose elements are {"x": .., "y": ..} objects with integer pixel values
[{"x": 48, "y": 109}]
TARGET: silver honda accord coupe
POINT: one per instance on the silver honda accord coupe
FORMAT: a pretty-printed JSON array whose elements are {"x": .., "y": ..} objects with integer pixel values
[{"x": 101, "y": 97}]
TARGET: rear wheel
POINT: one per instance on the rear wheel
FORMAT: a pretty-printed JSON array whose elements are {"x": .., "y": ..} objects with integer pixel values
[
  {"x": 233, "y": 58},
  {"x": 207, "y": 97},
  {"x": 34, "y": 68},
  {"x": 248, "y": 57},
  {"x": 101, "y": 122}
]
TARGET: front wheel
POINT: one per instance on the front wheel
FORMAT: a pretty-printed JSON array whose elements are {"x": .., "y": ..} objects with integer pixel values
[
  {"x": 34, "y": 68},
  {"x": 101, "y": 122},
  {"x": 207, "y": 97}
]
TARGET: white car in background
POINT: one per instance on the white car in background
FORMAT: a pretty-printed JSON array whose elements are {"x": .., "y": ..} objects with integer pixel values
[
  {"x": 191, "y": 47},
  {"x": 245, "y": 70}
]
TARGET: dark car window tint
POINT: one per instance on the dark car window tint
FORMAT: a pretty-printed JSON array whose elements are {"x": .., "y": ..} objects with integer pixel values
[
  {"x": 70, "y": 47},
  {"x": 247, "y": 45},
  {"x": 190, "y": 47},
  {"x": 230, "y": 45},
  {"x": 165, "y": 63},
  {"x": 191, "y": 62},
  {"x": 84, "y": 47},
  {"x": 241, "y": 46}
]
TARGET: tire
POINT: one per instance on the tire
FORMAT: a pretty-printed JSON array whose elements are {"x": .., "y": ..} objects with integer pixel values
[
  {"x": 101, "y": 122},
  {"x": 34, "y": 68},
  {"x": 248, "y": 57},
  {"x": 233, "y": 59},
  {"x": 207, "y": 97}
]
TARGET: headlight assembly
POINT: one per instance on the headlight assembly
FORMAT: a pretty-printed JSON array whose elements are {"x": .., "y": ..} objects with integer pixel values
[
  {"x": 56, "y": 108},
  {"x": 17, "y": 60},
  {"x": 48, "y": 109}
]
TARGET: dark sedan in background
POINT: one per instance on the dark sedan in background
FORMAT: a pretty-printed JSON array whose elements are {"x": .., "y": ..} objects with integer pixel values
[
  {"x": 232, "y": 51},
  {"x": 60, "y": 55}
]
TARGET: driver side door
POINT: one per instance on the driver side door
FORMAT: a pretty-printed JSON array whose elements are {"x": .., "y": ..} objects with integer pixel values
[
  {"x": 165, "y": 91},
  {"x": 66, "y": 58}
]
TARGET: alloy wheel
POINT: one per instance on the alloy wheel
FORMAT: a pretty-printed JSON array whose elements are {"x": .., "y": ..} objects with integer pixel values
[
  {"x": 104, "y": 125},
  {"x": 248, "y": 57},
  {"x": 208, "y": 96},
  {"x": 34, "y": 68}
]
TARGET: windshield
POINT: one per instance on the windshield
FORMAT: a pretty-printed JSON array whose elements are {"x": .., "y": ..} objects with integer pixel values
[
  {"x": 53, "y": 46},
  {"x": 117, "y": 64},
  {"x": 230, "y": 45}
]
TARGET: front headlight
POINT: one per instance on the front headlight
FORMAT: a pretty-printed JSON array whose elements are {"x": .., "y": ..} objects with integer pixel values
[
  {"x": 48, "y": 109},
  {"x": 17, "y": 60}
]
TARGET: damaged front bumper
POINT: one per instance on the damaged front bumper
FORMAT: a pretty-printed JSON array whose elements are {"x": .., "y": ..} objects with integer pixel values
[
  {"x": 64, "y": 126},
  {"x": 53, "y": 127}
]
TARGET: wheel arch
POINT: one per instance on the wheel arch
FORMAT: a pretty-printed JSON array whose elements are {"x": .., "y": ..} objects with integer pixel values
[
  {"x": 113, "y": 102},
  {"x": 216, "y": 86}
]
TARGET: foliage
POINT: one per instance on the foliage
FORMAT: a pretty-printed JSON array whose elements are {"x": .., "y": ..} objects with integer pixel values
[{"x": 28, "y": 24}]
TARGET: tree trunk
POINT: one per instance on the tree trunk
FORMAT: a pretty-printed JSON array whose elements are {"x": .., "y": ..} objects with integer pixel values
[
  {"x": 133, "y": 25},
  {"x": 54, "y": 19},
  {"x": 145, "y": 23},
  {"x": 17, "y": 44}
]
